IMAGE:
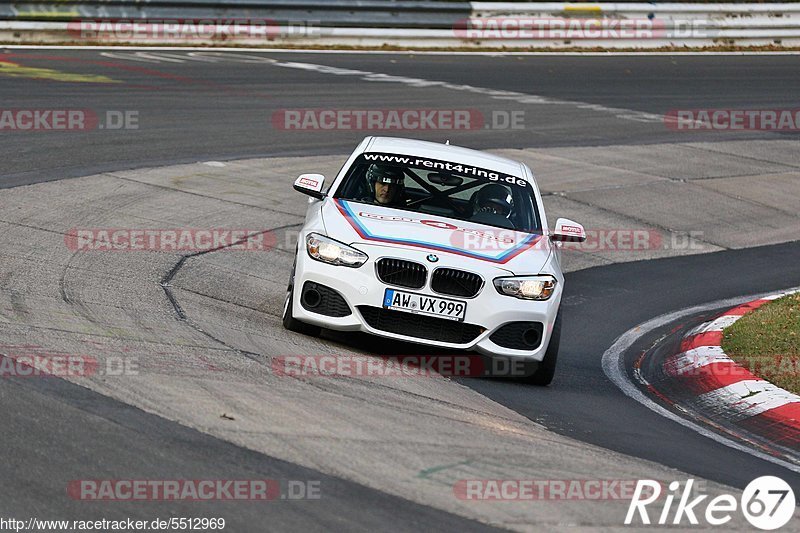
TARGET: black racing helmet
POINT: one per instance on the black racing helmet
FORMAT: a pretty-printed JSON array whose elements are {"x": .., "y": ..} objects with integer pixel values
[
  {"x": 385, "y": 174},
  {"x": 494, "y": 198}
]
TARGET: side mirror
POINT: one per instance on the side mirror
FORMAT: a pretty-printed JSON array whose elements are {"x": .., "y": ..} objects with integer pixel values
[
  {"x": 568, "y": 231},
  {"x": 310, "y": 184}
]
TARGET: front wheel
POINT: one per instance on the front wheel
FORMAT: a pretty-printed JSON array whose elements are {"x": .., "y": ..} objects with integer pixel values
[
  {"x": 289, "y": 321},
  {"x": 547, "y": 368}
]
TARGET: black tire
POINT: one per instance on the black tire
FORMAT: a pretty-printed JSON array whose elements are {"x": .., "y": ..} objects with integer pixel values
[
  {"x": 289, "y": 321},
  {"x": 543, "y": 375}
]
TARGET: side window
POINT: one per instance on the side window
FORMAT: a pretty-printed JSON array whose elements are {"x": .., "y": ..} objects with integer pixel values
[
  {"x": 331, "y": 181},
  {"x": 354, "y": 184},
  {"x": 524, "y": 215}
]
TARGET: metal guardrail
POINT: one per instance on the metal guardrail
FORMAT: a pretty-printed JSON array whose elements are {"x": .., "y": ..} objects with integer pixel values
[
  {"x": 670, "y": 23},
  {"x": 634, "y": 7},
  {"x": 414, "y": 24},
  {"x": 323, "y": 13}
]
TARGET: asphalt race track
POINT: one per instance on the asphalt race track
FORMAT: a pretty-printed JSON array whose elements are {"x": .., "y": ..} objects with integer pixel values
[
  {"x": 224, "y": 107},
  {"x": 207, "y": 150}
]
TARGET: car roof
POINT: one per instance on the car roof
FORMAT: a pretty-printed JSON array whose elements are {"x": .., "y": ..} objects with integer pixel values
[{"x": 446, "y": 152}]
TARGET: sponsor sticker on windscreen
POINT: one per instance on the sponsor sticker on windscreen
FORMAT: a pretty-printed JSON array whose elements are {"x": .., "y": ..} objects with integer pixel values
[{"x": 422, "y": 304}]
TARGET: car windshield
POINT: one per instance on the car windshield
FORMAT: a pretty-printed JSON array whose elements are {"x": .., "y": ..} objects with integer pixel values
[{"x": 442, "y": 188}]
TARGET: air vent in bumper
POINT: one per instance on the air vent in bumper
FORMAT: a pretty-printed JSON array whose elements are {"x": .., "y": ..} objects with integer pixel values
[{"x": 419, "y": 326}]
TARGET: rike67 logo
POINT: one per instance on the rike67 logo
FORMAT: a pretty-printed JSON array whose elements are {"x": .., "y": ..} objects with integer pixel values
[{"x": 767, "y": 503}]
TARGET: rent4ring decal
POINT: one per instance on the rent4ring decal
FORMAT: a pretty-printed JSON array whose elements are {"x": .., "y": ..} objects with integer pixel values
[{"x": 435, "y": 164}]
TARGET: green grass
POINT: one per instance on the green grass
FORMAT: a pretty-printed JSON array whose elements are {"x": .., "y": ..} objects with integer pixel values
[{"x": 767, "y": 342}]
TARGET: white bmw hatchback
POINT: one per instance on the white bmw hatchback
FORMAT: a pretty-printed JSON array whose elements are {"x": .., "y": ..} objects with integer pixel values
[{"x": 432, "y": 244}]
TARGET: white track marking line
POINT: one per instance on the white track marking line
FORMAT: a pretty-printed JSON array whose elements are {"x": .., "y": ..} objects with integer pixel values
[
  {"x": 497, "y": 94},
  {"x": 614, "y": 368}
]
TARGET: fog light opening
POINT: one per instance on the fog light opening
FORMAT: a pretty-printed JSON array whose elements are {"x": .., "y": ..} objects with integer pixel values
[
  {"x": 531, "y": 337},
  {"x": 311, "y": 297}
]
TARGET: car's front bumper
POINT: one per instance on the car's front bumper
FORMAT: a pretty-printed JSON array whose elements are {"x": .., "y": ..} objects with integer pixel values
[{"x": 489, "y": 310}]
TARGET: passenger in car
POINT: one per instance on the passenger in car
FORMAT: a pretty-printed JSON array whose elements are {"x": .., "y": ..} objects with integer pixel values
[{"x": 493, "y": 204}]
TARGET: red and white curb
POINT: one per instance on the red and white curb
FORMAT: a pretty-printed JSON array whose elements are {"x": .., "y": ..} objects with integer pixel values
[
  {"x": 636, "y": 386},
  {"x": 728, "y": 391}
]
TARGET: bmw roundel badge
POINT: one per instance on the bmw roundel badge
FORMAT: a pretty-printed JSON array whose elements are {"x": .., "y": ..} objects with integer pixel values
[{"x": 432, "y": 258}]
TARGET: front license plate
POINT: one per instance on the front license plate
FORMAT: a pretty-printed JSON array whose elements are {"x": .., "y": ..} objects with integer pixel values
[{"x": 422, "y": 304}]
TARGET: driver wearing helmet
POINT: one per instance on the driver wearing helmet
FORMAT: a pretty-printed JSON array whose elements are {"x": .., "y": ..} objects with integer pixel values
[
  {"x": 493, "y": 204},
  {"x": 387, "y": 185}
]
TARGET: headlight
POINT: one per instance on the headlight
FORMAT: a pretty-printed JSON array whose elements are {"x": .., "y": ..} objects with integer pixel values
[
  {"x": 527, "y": 287},
  {"x": 333, "y": 252}
]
